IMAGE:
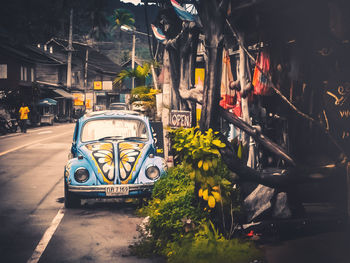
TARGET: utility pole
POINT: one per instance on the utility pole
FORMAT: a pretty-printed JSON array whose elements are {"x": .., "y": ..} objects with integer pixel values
[
  {"x": 132, "y": 30},
  {"x": 166, "y": 102},
  {"x": 70, "y": 49},
  {"x": 154, "y": 76},
  {"x": 133, "y": 58},
  {"x": 85, "y": 74},
  {"x": 86, "y": 68}
]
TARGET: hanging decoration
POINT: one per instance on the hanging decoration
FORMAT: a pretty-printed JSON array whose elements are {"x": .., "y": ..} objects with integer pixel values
[
  {"x": 260, "y": 79},
  {"x": 158, "y": 33},
  {"x": 230, "y": 98},
  {"x": 181, "y": 12}
]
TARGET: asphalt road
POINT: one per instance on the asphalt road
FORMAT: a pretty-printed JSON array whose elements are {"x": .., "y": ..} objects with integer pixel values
[{"x": 34, "y": 226}]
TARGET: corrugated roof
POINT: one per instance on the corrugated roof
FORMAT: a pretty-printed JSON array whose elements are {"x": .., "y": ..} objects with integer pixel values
[
  {"x": 96, "y": 60},
  {"x": 28, "y": 54},
  {"x": 63, "y": 94}
]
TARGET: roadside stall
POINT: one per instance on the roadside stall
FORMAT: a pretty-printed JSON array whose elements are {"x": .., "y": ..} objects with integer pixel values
[
  {"x": 47, "y": 111},
  {"x": 79, "y": 107}
]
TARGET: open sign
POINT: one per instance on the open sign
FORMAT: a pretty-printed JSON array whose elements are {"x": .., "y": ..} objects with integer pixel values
[{"x": 180, "y": 119}]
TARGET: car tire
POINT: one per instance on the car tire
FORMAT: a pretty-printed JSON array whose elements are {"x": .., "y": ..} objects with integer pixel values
[{"x": 71, "y": 200}]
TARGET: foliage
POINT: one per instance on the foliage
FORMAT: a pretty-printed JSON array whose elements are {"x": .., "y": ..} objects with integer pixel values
[
  {"x": 200, "y": 151},
  {"x": 123, "y": 17},
  {"x": 180, "y": 231},
  {"x": 209, "y": 245},
  {"x": 142, "y": 96},
  {"x": 140, "y": 73},
  {"x": 143, "y": 93},
  {"x": 99, "y": 20},
  {"x": 172, "y": 210}
]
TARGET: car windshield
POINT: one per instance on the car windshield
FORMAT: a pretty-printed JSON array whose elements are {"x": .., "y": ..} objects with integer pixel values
[
  {"x": 117, "y": 107},
  {"x": 110, "y": 129}
]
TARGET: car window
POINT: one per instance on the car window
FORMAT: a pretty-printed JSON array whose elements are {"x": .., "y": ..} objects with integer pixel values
[
  {"x": 114, "y": 128},
  {"x": 117, "y": 107}
]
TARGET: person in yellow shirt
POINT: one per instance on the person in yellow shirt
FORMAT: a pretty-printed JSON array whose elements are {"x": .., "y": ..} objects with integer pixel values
[{"x": 23, "y": 111}]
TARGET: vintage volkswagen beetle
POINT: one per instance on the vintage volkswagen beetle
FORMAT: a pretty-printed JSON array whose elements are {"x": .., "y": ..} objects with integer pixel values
[{"x": 112, "y": 155}]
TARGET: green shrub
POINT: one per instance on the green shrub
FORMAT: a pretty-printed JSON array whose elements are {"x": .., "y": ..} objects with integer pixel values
[
  {"x": 208, "y": 245},
  {"x": 215, "y": 189},
  {"x": 202, "y": 250},
  {"x": 183, "y": 222},
  {"x": 172, "y": 210}
]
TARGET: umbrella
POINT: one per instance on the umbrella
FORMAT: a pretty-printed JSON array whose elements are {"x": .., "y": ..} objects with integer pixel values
[{"x": 47, "y": 102}]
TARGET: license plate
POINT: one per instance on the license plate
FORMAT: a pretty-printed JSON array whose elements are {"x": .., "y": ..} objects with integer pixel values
[{"x": 115, "y": 190}]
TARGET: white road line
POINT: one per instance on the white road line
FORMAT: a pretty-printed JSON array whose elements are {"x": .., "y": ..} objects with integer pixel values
[
  {"x": 44, "y": 132},
  {"x": 10, "y": 135},
  {"x": 37, "y": 129},
  {"x": 31, "y": 143},
  {"x": 40, "y": 248}
]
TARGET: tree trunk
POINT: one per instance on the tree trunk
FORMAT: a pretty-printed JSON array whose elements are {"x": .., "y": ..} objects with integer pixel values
[
  {"x": 182, "y": 64},
  {"x": 174, "y": 59},
  {"x": 213, "y": 15},
  {"x": 211, "y": 92}
]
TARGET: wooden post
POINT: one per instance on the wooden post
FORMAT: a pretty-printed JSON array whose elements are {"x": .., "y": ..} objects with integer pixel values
[
  {"x": 86, "y": 74},
  {"x": 133, "y": 58},
  {"x": 244, "y": 86},
  {"x": 70, "y": 48},
  {"x": 247, "y": 140},
  {"x": 348, "y": 190},
  {"x": 154, "y": 76},
  {"x": 166, "y": 104}
]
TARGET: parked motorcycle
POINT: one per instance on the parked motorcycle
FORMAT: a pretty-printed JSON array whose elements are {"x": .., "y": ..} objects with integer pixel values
[{"x": 8, "y": 125}]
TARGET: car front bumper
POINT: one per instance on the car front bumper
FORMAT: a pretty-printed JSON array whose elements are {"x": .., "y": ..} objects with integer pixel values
[{"x": 101, "y": 189}]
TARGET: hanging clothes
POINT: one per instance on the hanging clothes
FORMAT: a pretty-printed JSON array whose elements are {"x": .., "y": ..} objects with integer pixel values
[
  {"x": 260, "y": 78},
  {"x": 226, "y": 74},
  {"x": 230, "y": 99}
]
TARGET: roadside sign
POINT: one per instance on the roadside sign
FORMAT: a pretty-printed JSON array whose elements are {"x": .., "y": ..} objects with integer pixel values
[
  {"x": 107, "y": 85},
  {"x": 180, "y": 119},
  {"x": 78, "y": 99},
  {"x": 157, "y": 130},
  {"x": 89, "y": 98},
  {"x": 97, "y": 85}
]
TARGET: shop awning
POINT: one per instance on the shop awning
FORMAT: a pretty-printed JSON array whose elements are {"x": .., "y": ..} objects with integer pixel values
[
  {"x": 47, "y": 102},
  {"x": 100, "y": 93},
  {"x": 63, "y": 94}
]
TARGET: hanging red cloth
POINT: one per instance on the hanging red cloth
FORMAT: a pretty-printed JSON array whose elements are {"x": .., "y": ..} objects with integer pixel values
[
  {"x": 230, "y": 99},
  {"x": 260, "y": 77},
  {"x": 233, "y": 103}
]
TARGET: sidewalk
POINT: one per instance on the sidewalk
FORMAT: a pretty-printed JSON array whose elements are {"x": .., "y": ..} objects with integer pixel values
[
  {"x": 320, "y": 238},
  {"x": 31, "y": 129}
]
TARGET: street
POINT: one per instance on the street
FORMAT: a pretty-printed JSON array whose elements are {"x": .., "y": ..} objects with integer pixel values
[{"x": 35, "y": 227}]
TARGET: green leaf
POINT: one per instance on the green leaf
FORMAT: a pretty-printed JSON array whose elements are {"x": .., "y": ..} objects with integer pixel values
[{"x": 239, "y": 151}]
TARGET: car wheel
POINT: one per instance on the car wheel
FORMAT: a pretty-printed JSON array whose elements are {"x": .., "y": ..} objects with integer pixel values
[{"x": 71, "y": 200}]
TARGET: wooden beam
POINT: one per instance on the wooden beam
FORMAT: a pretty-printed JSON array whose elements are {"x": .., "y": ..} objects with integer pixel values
[{"x": 258, "y": 137}]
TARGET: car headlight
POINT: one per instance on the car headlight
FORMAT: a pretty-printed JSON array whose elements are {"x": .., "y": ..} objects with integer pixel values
[
  {"x": 152, "y": 172},
  {"x": 81, "y": 175}
]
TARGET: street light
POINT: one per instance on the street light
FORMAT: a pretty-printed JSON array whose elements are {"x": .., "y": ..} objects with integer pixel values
[{"x": 131, "y": 29}]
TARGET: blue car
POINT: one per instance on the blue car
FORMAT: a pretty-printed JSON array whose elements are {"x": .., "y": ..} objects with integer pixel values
[{"x": 112, "y": 155}]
